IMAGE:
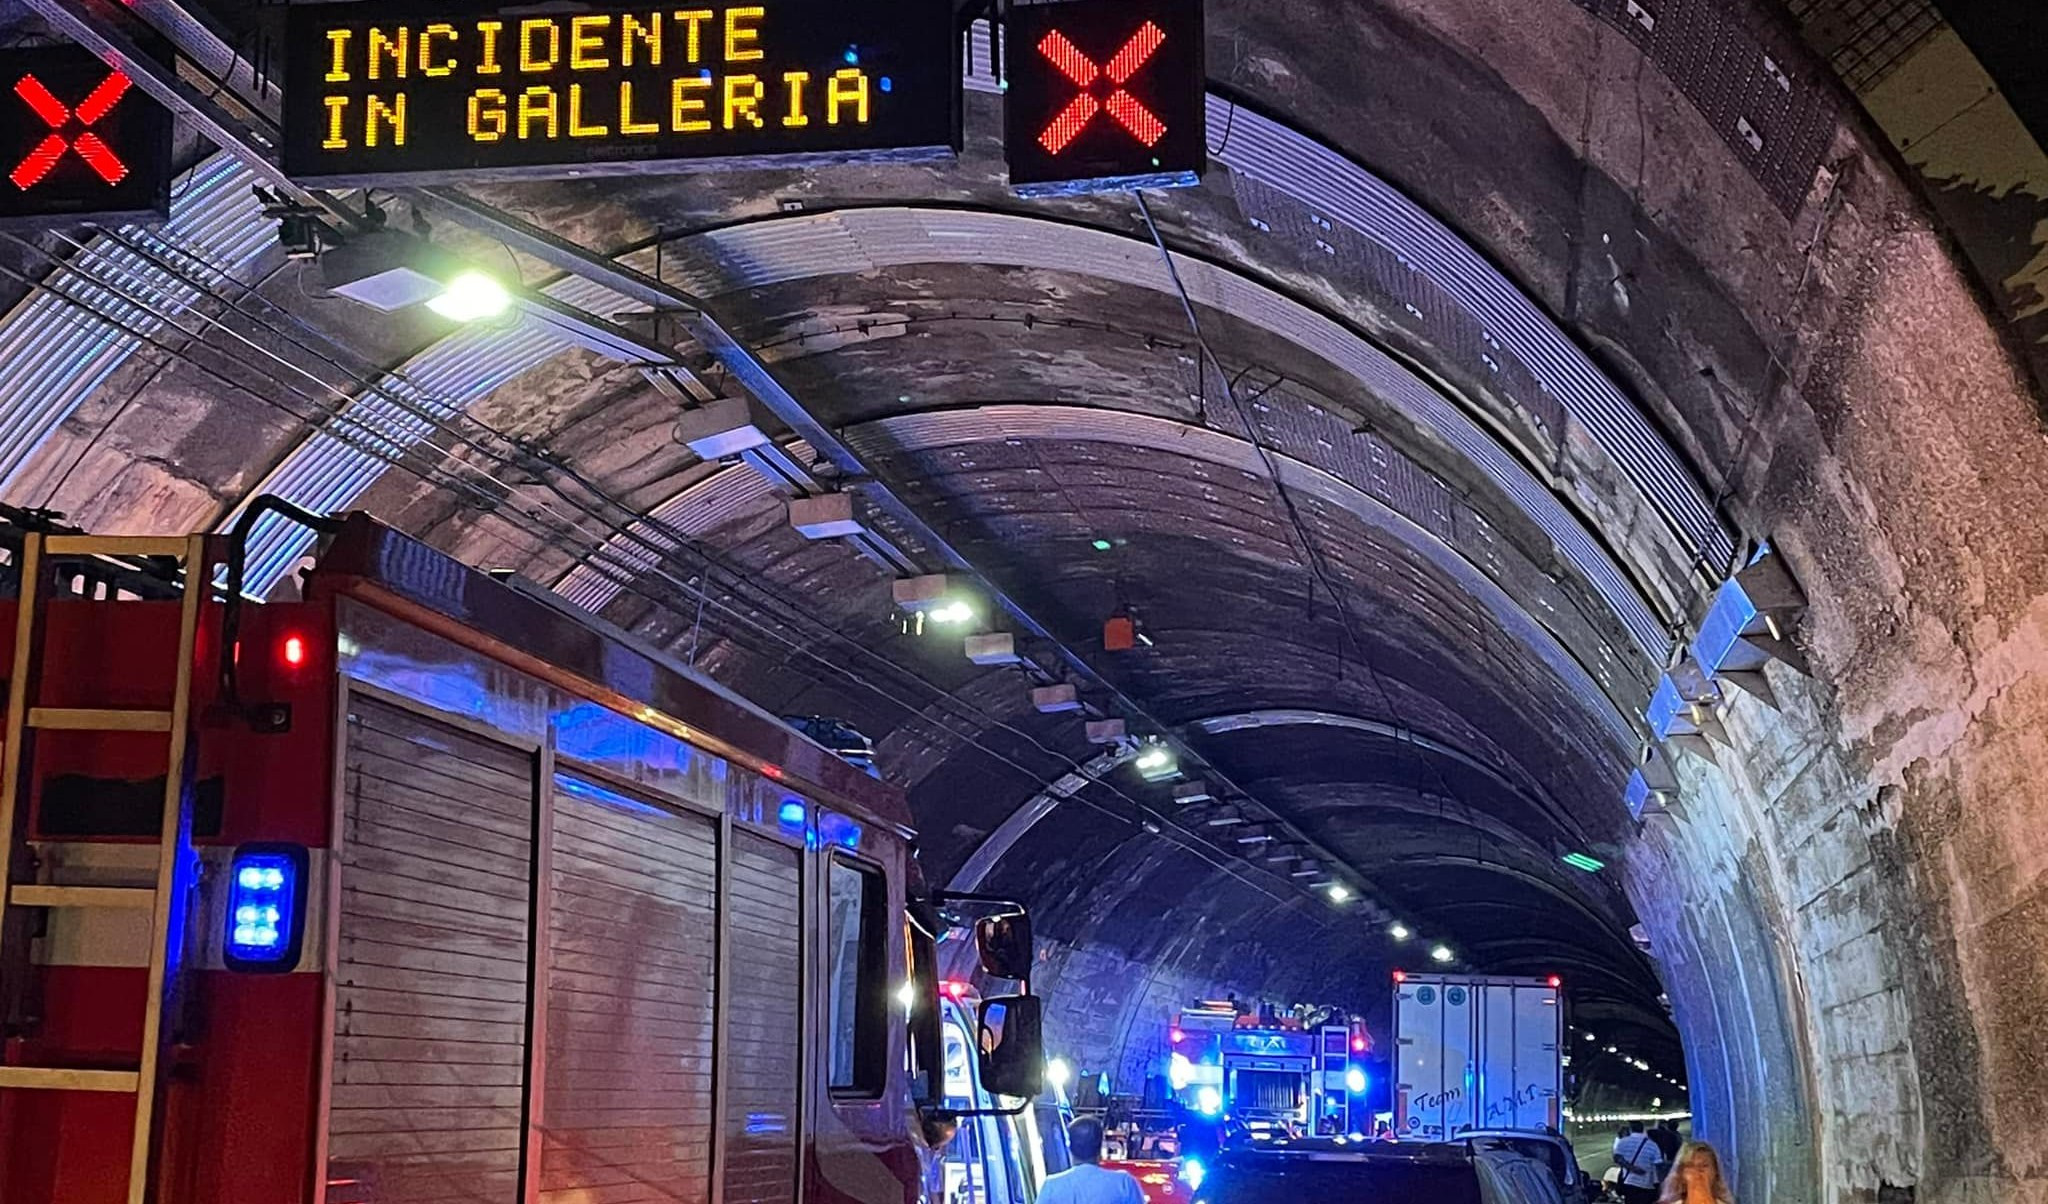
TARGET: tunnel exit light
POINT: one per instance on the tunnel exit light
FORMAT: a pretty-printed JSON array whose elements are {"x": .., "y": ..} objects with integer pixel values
[
  {"x": 78, "y": 139},
  {"x": 1104, "y": 95}
]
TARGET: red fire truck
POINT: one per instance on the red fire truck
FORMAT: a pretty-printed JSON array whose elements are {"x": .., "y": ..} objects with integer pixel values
[{"x": 425, "y": 888}]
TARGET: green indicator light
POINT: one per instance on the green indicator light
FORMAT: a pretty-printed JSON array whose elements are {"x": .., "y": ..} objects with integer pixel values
[
  {"x": 1579, "y": 861},
  {"x": 1102, "y": 545}
]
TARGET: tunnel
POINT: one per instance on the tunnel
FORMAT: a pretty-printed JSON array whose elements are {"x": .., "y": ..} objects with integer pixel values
[{"x": 1390, "y": 482}]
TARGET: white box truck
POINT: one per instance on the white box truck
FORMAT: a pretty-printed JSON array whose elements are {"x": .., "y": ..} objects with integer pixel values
[{"x": 1475, "y": 1053}]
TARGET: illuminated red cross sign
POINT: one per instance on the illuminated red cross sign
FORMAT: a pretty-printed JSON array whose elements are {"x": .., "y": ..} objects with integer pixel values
[
  {"x": 1104, "y": 95},
  {"x": 97, "y": 154},
  {"x": 1125, "y": 109}
]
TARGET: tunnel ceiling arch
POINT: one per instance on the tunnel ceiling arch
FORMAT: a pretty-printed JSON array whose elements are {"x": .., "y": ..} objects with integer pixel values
[{"x": 1526, "y": 326}]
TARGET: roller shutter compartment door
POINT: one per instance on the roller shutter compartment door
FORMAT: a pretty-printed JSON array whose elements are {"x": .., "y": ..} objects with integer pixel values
[
  {"x": 431, "y": 986},
  {"x": 632, "y": 947},
  {"x": 764, "y": 1036}
]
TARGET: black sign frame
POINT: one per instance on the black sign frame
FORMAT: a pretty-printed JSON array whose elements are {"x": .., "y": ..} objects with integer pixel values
[
  {"x": 135, "y": 129},
  {"x": 1169, "y": 85},
  {"x": 907, "y": 50}
]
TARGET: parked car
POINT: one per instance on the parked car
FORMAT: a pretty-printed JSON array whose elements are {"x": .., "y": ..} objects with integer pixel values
[{"x": 1333, "y": 1171}]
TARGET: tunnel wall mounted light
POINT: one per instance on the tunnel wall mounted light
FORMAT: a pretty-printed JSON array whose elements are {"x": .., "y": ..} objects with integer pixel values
[
  {"x": 1580, "y": 861},
  {"x": 992, "y": 648},
  {"x": 471, "y": 296},
  {"x": 824, "y": 516},
  {"x": 379, "y": 269},
  {"x": 720, "y": 429},
  {"x": 1105, "y": 731},
  {"x": 1055, "y": 699},
  {"x": 921, "y": 594}
]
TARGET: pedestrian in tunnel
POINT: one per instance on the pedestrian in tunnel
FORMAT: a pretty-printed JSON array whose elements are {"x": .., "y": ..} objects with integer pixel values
[
  {"x": 1696, "y": 1177},
  {"x": 1086, "y": 1182},
  {"x": 1668, "y": 1144},
  {"x": 1637, "y": 1157}
]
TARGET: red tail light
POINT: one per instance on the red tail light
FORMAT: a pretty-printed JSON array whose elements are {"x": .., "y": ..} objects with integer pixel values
[
  {"x": 294, "y": 650},
  {"x": 1400, "y": 976},
  {"x": 1358, "y": 1045},
  {"x": 1555, "y": 982},
  {"x": 955, "y": 990},
  {"x": 1177, "y": 1036}
]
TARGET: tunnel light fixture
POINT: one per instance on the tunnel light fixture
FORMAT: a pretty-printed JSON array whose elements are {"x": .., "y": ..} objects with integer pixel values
[
  {"x": 1101, "y": 545},
  {"x": 1399, "y": 932},
  {"x": 472, "y": 296},
  {"x": 1155, "y": 762},
  {"x": 951, "y": 614},
  {"x": 1591, "y": 1037},
  {"x": 1580, "y": 861},
  {"x": 1057, "y": 1073},
  {"x": 1338, "y": 892},
  {"x": 1441, "y": 954}
]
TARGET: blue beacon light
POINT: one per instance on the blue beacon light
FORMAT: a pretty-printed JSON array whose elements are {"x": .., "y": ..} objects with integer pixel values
[{"x": 265, "y": 921}]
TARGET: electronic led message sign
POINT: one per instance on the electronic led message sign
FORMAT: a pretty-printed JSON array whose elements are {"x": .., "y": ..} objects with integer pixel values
[
  {"x": 379, "y": 92},
  {"x": 1104, "y": 94},
  {"x": 78, "y": 139}
]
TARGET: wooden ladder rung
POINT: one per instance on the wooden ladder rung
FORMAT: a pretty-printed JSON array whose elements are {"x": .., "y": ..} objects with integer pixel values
[
  {"x": 60, "y": 1078},
  {"x": 116, "y": 545},
  {"x": 83, "y": 896},
  {"x": 89, "y": 719}
]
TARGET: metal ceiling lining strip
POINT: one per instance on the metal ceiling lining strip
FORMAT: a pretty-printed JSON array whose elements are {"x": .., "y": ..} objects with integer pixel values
[
  {"x": 904, "y": 236},
  {"x": 702, "y": 506},
  {"x": 925, "y": 431},
  {"x": 57, "y": 353}
]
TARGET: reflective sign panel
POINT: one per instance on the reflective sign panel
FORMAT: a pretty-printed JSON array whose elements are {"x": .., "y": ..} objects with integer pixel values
[
  {"x": 1104, "y": 94},
  {"x": 381, "y": 92},
  {"x": 78, "y": 139}
]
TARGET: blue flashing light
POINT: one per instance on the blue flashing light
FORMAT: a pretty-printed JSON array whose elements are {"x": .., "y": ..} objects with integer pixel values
[
  {"x": 886, "y": 84},
  {"x": 1192, "y": 1172},
  {"x": 1355, "y": 1081},
  {"x": 792, "y": 814},
  {"x": 853, "y": 55},
  {"x": 265, "y": 922}
]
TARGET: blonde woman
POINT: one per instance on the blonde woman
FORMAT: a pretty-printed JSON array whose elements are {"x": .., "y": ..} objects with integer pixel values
[{"x": 1696, "y": 1177}]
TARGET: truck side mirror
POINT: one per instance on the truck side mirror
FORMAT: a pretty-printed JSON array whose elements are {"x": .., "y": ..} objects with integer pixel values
[
  {"x": 1004, "y": 943},
  {"x": 1012, "y": 1045}
]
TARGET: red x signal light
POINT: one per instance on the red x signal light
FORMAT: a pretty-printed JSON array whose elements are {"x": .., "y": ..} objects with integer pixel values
[
  {"x": 1125, "y": 109},
  {"x": 38, "y": 163},
  {"x": 1105, "y": 94}
]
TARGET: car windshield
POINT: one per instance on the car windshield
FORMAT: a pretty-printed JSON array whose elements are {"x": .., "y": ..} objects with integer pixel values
[{"x": 1282, "y": 1180}]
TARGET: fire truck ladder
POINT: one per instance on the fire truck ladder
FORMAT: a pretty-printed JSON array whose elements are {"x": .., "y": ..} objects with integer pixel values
[{"x": 175, "y": 864}]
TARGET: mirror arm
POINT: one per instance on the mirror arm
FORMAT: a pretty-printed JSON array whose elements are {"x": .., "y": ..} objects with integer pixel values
[
  {"x": 1010, "y": 906},
  {"x": 993, "y": 1111}
]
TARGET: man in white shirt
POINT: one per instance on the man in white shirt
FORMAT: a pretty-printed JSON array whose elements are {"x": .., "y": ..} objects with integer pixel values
[
  {"x": 1637, "y": 1156},
  {"x": 1086, "y": 1182}
]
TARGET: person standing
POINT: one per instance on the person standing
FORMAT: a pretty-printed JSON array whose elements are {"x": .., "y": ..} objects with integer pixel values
[
  {"x": 1696, "y": 1177},
  {"x": 1086, "y": 1182},
  {"x": 1637, "y": 1157}
]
